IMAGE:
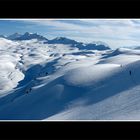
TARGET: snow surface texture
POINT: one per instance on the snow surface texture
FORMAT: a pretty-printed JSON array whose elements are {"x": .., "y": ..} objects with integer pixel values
[{"x": 57, "y": 80}]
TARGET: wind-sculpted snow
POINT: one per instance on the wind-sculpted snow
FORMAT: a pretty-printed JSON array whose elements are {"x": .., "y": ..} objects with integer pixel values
[{"x": 42, "y": 80}]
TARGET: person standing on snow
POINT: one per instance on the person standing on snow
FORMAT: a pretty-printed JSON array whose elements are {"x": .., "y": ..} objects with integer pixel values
[{"x": 130, "y": 72}]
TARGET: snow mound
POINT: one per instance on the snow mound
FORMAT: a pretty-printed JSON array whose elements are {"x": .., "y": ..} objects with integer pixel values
[{"x": 89, "y": 76}]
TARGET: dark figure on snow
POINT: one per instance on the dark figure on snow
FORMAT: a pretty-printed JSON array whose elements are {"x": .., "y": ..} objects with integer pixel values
[
  {"x": 130, "y": 72},
  {"x": 29, "y": 90},
  {"x": 46, "y": 73}
]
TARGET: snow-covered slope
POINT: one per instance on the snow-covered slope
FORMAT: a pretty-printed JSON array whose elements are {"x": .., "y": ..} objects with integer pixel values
[
  {"x": 115, "y": 95},
  {"x": 59, "y": 81},
  {"x": 10, "y": 75}
]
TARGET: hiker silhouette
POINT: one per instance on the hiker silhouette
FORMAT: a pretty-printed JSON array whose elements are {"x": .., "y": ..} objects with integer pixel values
[
  {"x": 28, "y": 90},
  {"x": 130, "y": 72}
]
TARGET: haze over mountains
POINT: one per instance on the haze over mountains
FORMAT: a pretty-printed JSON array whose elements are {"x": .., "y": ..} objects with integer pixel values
[{"x": 63, "y": 79}]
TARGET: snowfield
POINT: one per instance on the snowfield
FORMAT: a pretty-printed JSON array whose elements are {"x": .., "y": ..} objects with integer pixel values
[{"x": 54, "y": 80}]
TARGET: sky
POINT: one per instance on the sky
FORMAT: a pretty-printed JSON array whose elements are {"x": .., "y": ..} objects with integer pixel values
[{"x": 116, "y": 33}]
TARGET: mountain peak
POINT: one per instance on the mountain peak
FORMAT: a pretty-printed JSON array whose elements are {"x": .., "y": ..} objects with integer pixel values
[
  {"x": 3, "y": 36},
  {"x": 27, "y": 33},
  {"x": 26, "y": 36},
  {"x": 16, "y": 33},
  {"x": 62, "y": 40},
  {"x": 13, "y": 36},
  {"x": 97, "y": 46}
]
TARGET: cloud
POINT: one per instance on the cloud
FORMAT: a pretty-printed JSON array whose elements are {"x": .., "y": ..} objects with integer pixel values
[{"x": 101, "y": 29}]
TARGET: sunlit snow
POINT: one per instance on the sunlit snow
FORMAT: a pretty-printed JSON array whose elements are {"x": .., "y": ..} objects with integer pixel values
[{"x": 53, "y": 80}]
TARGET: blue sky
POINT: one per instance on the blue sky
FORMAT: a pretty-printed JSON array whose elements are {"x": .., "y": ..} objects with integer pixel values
[{"x": 116, "y": 33}]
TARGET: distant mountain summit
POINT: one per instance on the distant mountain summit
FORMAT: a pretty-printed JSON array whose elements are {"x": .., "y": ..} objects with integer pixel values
[
  {"x": 26, "y": 36},
  {"x": 14, "y": 36},
  {"x": 62, "y": 40},
  {"x": 89, "y": 46},
  {"x": 96, "y": 46},
  {"x": 2, "y": 36},
  {"x": 59, "y": 40}
]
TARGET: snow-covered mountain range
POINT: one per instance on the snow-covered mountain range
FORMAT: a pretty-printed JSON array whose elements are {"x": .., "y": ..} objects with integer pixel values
[
  {"x": 57, "y": 40},
  {"x": 63, "y": 79}
]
